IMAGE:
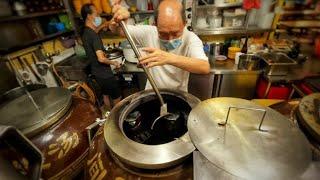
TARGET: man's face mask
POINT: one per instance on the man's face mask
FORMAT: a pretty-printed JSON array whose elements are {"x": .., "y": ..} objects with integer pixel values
[
  {"x": 171, "y": 44},
  {"x": 97, "y": 21}
]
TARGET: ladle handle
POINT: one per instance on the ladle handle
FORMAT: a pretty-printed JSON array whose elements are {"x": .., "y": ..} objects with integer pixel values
[{"x": 138, "y": 54}]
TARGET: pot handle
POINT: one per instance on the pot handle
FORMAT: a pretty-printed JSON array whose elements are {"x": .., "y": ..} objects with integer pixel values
[{"x": 247, "y": 108}]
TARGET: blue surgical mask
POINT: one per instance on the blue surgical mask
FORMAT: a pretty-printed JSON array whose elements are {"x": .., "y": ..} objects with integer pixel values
[
  {"x": 97, "y": 21},
  {"x": 171, "y": 44}
]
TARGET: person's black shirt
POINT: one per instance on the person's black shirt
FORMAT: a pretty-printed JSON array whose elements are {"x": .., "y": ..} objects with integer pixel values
[{"x": 92, "y": 43}]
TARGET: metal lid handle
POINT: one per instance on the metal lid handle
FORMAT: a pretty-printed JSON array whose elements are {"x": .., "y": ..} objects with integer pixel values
[{"x": 253, "y": 109}]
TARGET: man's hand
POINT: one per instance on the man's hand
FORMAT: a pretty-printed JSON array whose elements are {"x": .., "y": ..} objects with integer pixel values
[
  {"x": 156, "y": 57},
  {"x": 120, "y": 14},
  {"x": 105, "y": 23},
  {"x": 116, "y": 64}
]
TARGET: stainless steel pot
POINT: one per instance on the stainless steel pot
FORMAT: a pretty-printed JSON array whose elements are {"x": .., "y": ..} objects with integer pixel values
[
  {"x": 277, "y": 63},
  {"x": 127, "y": 130},
  {"x": 249, "y": 62},
  {"x": 216, "y": 48}
]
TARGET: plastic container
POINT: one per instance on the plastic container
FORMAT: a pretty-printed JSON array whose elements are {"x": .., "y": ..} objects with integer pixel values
[
  {"x": 276, "y": 91},
  {"x": 215, "y": 21},
  {"x": 20, "y": 8},
  {"x": 230, "y": 19},
  {"x": 232, "y": 52},
  {"x": 201, "y": 23},
  {"x": 67, "y": 42}
]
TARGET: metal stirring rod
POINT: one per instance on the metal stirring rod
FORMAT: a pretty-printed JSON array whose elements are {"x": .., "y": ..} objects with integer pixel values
[{"x": 137, "y": 52}]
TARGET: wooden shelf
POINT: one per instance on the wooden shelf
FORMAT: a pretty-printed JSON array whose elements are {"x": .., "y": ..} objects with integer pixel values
[
  {"x": 142, "y": 12},
  {"x": 226, "y": 5},
  {"x": 301, "y": 12},
  {"x": 102, "y": 15},
  {"x": 109, "y": 16},
  {"x": 303, "y": 40},
  {"x": 301, "y": 23},
  {"x": 230, "y": 31},
  {"x": 31, "y": 15},
  {"x": 34, "y": 42}
]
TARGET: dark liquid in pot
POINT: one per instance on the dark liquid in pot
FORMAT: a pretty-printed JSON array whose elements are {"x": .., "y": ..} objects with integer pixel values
[{"x": 164, "y": 131}]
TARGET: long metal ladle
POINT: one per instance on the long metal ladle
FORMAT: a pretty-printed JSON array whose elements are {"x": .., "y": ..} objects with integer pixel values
[{"x": 164, "y": 114}]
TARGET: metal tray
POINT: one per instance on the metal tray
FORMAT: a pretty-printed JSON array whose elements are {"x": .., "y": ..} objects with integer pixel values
[{"x": 276, "y": 59}]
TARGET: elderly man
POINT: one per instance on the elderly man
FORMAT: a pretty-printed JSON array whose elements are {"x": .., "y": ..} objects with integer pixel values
[{"x": 172, "y": 50}]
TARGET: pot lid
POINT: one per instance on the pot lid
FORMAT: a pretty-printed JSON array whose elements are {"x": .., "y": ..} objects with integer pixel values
[
  {"x": 278, "y": 150},
  {"x": 308, "y": 113},
  {"x": 22, "y": 114}
]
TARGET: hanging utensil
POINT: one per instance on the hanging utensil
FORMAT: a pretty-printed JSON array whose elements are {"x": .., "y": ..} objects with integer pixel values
[
  {"x": 164, "y": 114},
  {"x": 25, "y": 62},
  {"x": 24, "y": 74},
  {"x": 42, "y": 68}
]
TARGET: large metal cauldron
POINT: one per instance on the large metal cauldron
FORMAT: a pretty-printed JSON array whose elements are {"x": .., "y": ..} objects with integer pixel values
[
  {"x": 133, "y": 141},
  {"x": 126, "y": 147},
  {"x": 57, "y": 128}
]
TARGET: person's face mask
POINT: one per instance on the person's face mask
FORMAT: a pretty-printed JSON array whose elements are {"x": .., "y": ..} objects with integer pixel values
[
  {"x": 97, "y": 21},
  {"x": 171, "y": 44}
]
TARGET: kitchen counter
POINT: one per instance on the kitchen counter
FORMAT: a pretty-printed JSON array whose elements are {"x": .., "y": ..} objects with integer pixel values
[
  {"x": 228, "y": 67},
  {"x": 129, "y": 68},
  {"x": 219, "y": 67},
  {"x": 310, "y": 68}
]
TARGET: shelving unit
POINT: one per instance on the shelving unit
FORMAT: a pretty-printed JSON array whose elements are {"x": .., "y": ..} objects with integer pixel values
[
  {"x": 142, "y": 12},
  {"x": 301, "y": 23},
  {"x": 296, "y": 24},
  {"x": 303, "y": 12},
  {"x": 229, "y": 5},
  {"x": 102, "y": 15},
  {"x": 34, "y": 42},
  {"x": 254, "y": 29},
  {"x": 109, "y": 16},
  {"x": 229, "y": 31},
  {"x": 37, "y": 17},
  {"x": 31, "y": 15}
]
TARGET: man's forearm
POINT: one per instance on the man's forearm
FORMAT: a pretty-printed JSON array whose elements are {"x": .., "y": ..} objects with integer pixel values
[
  {"x": 99, "y": 29},
  {"x": 106, "y": 61},
  {"x": 192, "y": 65}
]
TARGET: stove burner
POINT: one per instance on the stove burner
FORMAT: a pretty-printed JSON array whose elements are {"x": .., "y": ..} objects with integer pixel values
[{"x": 137, "y": 125}]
